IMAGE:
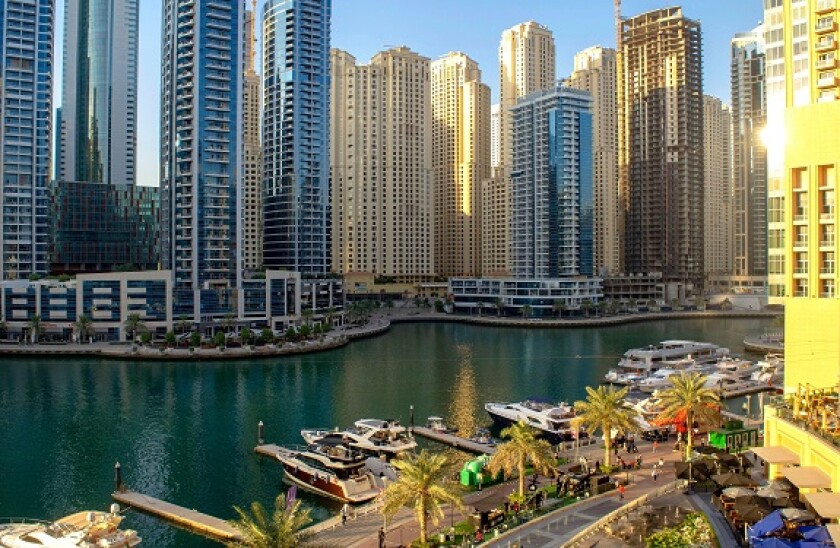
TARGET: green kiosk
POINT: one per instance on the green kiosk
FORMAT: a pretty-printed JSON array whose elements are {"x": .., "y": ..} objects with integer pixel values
[{"x": 733, "y": 437}]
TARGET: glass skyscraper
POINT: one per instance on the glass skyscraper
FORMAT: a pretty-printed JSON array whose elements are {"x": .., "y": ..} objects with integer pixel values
[
  {"x": 98, "y": 138},
  {"x": 200, "y": 154},
  {"x": 551, "y": 192},
  {"x": 296, "y": 178},
  {"x": 26, "y": 67}
]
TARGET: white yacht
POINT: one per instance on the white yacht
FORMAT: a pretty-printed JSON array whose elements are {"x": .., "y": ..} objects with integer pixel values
[
  {"x": 374, "y": 437},
  {"x": 639, "y": 363},
  {"x": 552, "y": 421},
  {"x": 727, "y": 370},
  {"x": 771, "y": 370},
  {"x": 80, "y": 530}
]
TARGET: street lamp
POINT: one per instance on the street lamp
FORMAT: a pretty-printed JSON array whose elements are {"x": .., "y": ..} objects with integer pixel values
[{"x": 480, "y": 478}]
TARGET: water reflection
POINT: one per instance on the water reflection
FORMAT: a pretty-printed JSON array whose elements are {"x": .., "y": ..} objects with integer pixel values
[{"x": 464, "y": 393}]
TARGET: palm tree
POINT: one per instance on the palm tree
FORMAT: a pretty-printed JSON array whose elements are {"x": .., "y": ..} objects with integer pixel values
[
  {"x": 586, "y": 306},
  {"x": 500, "y": 305},
  {"x": 183, "y": 324},
  {"x": 558, "y": 307},
  {"x": 690, "y": 400},
  {"x": 606, "y": 410},
  {"x": 526, "y": 311},
  {"x": 513, "y": 455},
  {"x": 282, "y": 529},
  {"x": 306, "y": 315},
  {"x": 35, "y": 327},
  {"x": 422, "y": 484},
  {"x": 133, "y": 324},
  {"x": 83, "y": 327}
]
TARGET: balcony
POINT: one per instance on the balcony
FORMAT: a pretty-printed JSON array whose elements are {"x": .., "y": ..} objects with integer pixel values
[
  {"x": 827, "y": 62},
  {"x": 827, "y": 243},
  {"x": 801, "y": 242},
  {"x": 824, "y": 6},
  {"x": 827, "y": 81},
  {"x": 826, "y": 43},
  {"x": 826, "y": 24}
]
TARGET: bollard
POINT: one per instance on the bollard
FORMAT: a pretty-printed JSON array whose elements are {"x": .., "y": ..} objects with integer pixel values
[
  {"x": 118, "y": 477},
  {"x": 261, "y": 433}
]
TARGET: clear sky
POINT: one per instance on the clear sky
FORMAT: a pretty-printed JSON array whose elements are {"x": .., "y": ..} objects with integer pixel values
[{"x": 435, "y": 27}]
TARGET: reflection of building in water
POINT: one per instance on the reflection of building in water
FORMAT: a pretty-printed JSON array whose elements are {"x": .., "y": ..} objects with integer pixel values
[{"x": 464, "y": 394}]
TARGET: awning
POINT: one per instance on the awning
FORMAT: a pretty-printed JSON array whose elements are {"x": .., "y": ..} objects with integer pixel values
[
  {"x": 775, "y": 454},
  {"x": 827, "y": 505},
  {"x": 834, "y": 531},
  {"x": 807, "y": 477}
]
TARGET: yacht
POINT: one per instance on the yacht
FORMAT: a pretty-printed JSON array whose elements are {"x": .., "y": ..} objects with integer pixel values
[
  {"x": 552, "y": 421},
  {"x": 727, "y": 369},
  {"x": 771, "y": 370},
  {"x": 333, "y": 470},
  {"x": 374, "y": 437},
  {"x": 80, "y": 530},
  {"x": 638, "y": 363},
  {"x": 437, "y": 424}
]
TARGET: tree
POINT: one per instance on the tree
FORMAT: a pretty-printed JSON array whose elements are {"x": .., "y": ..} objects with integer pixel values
[
  {"x": 305, "y": 331},
  {"x": 525, "y": 311},
  {"x": 651, "y": 304},
  {"x": 699, "y": 302},
  {"x": 228, "y": 322},
  {"x": 422, "y": 484},
  {"x": 438, "y": 306},
  {"x": 500, "y": 306},
  {"x": 146, "y": 337},
  {"x": 195, "y": 339},
  {"x": 559, "y": 307},
  {"x": 219, "y": 339},
  {"x": 687, "y": 401},
  {"x": 632, "y": 305},
  {"x": 726, "y": 304},
  {"x": 170, "y": 339},
  {"x": 306, "y": 314},
  {"x": 183, "y": 325},
  {"x": 83, "y": 327},
  {"x": 586, "y": 306},
  {"x": 291, "y": 333},
  {"x": 281, "y": 529},
  {"x": 417, "y": 301},
  {"x": 35, "y": 328},
  {"x": 245, "y": 335},
  {"x": 512, "y": 456},
  {"x": 329, "y": 316},
  {"x": 605, "y": 410},
  {"x": 675, "y": 303},
  {"x": 4, "y": 328},
  {"x": 267, "y": 336},
  {"x": 133, "y": 324}
]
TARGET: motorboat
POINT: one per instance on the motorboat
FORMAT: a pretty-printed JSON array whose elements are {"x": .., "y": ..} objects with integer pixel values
[
  {"x": 657, "y": 380},
  {"x": 771, "y": 370},
  {"x": 375, "y": 437},
  {"x": 553, "y": 421},
  {"x": 727, "y": 369},
  {"x": 484, "y": 437},
  {"x": 436, "y": 424},
  {"x": 331, "y": 469},
  {"x": 737, "y": 367},
  {"x": 89, "y": 529},
  {"x": 639, "y": 363}
]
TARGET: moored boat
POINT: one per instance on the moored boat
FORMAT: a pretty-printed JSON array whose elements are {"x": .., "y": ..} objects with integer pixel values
[
  {"x": 553, "y": 421},
  {"x": 375, "y": 437},
  {"x": 80, "y": 530},
  {"x": 639, "y": 363}
]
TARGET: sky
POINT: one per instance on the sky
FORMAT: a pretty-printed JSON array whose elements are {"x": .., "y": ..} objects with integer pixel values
[{"x": 435, "y": 27}]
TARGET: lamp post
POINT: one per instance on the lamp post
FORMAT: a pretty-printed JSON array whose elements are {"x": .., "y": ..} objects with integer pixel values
[{"x": 384, "y": 481}]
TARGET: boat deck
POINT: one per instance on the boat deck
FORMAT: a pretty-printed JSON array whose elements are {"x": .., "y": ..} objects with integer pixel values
[
  {"x": 454, "y": 441},
  {"x": 191, "y": 519},
  {"x": 268, "y": 450}
]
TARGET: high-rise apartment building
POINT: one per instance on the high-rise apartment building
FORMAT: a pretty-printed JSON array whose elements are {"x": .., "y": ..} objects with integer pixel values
[
  {"x": 661, "y": 145},
  {"x": 551, "y": 194},
  {"x": 495, "y": 136},
  {"x": 381, "y": 165},
  {"x": 749, "y": 155},
  {"x": 296, "y": 178},
  {"x": 526, "y": 65},
  {"x": 26, "y": 86},
  {"x": 252, "y": 226},
  {"x": 460, "y": 161},
  {"x": 803, "y": 148},
  {"x": 595, "y": 72},
  {"x": 717, "y": 169},
  {"x": 98, "y": 133},
  {"x": 200, "y": 154}
]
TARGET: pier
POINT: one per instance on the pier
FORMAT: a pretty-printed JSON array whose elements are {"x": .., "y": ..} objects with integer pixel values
[
  {"x": 454, "y": 441},
  {"x": 191, "y": 519},
  {"x": 758, "y": 387}
]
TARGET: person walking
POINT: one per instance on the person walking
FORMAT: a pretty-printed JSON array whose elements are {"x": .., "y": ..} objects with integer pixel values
[
  {"x": 621, "y": 492},
  {"x": 655, "y": 446},
  {"x": 345, "y": 512},
  {"x": 654, "y": 473},
  {"x": 381, "y": 537}
]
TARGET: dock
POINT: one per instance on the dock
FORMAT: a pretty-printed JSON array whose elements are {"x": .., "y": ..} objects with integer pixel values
[
  {"x": 758, "y": 387},
  {"x": 454, "y": 441},
  {"x": 191, "y": 519}
]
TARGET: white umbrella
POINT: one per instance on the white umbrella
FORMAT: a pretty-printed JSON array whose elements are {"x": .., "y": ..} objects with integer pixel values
[
  {"x": 736, "y": 492},
  {"x": 797, "y": 514}
]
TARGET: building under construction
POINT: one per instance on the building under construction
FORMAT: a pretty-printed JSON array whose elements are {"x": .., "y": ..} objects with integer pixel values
[{"x": 661, "y": 145}]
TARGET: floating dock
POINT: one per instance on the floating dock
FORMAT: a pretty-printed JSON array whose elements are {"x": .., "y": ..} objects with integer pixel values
[
  {"x": 454, "y": 441},
  {"x": 758, "y": 387},
  {"x": 191, "y": 519}
]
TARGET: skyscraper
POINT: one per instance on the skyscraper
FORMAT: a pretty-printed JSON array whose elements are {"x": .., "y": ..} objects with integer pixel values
[
  {"x": 460, "y": 161},
  {"x": 595, "y": 72},
  {"x": 551, "y": 194},
  {"x": 717, "y": 169},
  {"x": 495, "y": 135},
  {"x": 749, "y": 155},
  {"x": 200, "y": 154},
  {"x": 26, "y": 58},
  {"x": 99, "y": 92},
  {"x": 296, "y": 178},
  {"x": 381, "y": 163},
  {"x": 252, "y": 226},
  {"x": 661, "y": 145}
]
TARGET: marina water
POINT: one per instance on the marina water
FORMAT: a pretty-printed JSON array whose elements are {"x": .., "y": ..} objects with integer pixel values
[{"x": 184, "y": 432}]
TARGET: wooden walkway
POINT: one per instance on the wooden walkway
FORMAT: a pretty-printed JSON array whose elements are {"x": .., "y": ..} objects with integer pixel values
[
  {"x": 191, "y": 519},
  {"x": 454, "y": 441}
]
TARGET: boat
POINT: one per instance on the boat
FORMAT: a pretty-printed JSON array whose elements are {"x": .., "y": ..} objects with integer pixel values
[
  {"x": 90, "y": 529},
  {"x": 553, "y": 421},
  {"x": 331, "y": 469},
  {"x": 771, "y": 370},
  {"x": 375, "y": 437},
  {"x": 436, "y": 424},
  {"x": 639, "y": 363},
  {"x": 728, "y": 370},
  {"x": 484, "y": 437}
]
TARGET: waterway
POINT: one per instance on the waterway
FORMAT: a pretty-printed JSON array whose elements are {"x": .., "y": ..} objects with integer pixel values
[{"x": 184, "y": 432}]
